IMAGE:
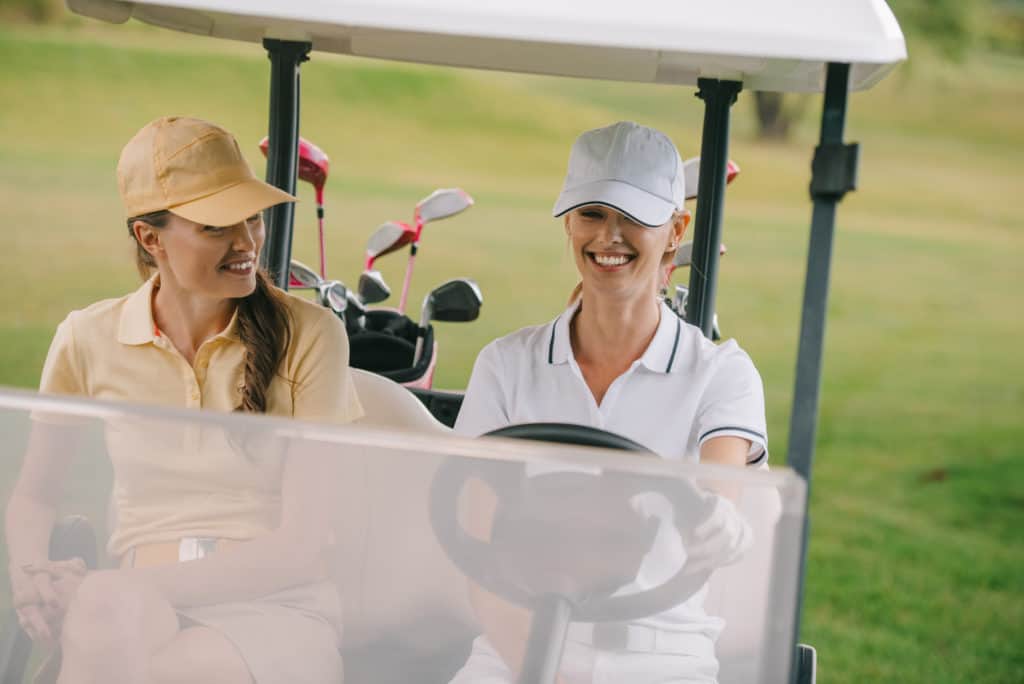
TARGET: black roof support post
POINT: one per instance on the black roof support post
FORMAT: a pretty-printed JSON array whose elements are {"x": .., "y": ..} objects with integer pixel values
[
  {"x": 718, "y": 96},
  {"x": 283, "y": 151},
  {"x": 833, "y": 174}
]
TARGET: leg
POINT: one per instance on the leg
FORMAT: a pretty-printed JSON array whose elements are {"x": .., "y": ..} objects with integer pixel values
[
  {"x": 484, "y": 666},
  {"x": 199, "y": 654},
  {"x": 112, "y": 628}
]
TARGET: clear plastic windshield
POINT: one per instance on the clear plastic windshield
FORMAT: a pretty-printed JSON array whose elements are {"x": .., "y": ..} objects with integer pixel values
[{"x": 325, "y": 553}]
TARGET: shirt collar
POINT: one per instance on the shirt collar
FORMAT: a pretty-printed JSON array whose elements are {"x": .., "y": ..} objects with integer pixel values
[
  {"x": 661, "y": 355},
  {"x": 137, "y": 325}
]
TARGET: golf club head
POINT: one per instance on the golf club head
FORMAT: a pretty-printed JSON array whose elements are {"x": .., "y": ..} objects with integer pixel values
[
  {"x": 443, "y": 203},
  {"x": 302, "y": 277},
  {"x": 355, "y": 307},
  {"x": 313, "y": 163},
  {"x": 387, "y": 238},
  {"x": 691, "y": 174},
  {"x": 684, "y": 254},
  {"x": 372, "y": 288},
  {"x": 334, "y": 296},
  {"x": 679, "y": 300},
  {"x": 456, "y": 301}
]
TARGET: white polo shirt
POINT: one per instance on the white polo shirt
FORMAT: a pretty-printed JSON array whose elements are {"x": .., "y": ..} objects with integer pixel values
[{"x": 681, "y": 392}]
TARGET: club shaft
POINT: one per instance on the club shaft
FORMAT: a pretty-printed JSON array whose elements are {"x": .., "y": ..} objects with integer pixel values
[
  {"x": 323, "y": 247},
  {"x": 408, "y": 277}
]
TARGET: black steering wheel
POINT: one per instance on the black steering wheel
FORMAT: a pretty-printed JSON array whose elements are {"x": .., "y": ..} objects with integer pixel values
[{"x": 534, "y": 553}]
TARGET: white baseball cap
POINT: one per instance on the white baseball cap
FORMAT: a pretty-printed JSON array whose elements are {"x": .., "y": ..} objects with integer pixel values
[{"x": 631, "y": 168}]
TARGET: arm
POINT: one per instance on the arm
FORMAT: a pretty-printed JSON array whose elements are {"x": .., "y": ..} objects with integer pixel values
[
  {"x": 32, "y": 508},
  {"x": 31, "y": 512}
]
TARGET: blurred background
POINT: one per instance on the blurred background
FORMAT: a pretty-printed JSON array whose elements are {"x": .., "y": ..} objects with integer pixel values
[{"x": 917, "y": 548}]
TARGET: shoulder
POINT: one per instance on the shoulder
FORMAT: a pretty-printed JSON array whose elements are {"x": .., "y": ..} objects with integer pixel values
[
  {"x": 698, "y": 351},
  {"x": 317, "y": 335},
  {"x": 523, "y": 345},
  {"x": 310, "y": 320},
  {"x": 100, "y": 312},
  {"x": 98, "y": 322},
  {"x": 306, "y": 313},
  {"x": 530, "y": 337}
]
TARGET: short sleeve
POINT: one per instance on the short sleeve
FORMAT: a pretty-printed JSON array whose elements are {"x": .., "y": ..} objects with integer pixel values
[
  {"x": 62, "y": 371},
  {"x": 323, "y": 389},
  {"x": 733, "y": 404},
  {"x": 484, "y": 408}
]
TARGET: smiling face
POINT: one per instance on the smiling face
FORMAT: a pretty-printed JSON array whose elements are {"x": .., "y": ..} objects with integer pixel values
[
  {"x": 616, "y": 256},
  {"x": 219, "y": 262}
]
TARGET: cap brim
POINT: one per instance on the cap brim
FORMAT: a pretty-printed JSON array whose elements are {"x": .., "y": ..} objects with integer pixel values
[
  {"x": 639, "y": 205},
  {"x": 233, "y": 204}
]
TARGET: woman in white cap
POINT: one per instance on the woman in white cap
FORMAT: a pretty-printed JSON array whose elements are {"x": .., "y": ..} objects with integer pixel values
[
  {"x": 619, "y": 359},
  {"x": 208, "y": 330}
]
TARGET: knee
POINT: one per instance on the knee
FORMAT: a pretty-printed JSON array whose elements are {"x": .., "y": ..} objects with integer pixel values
[{"x": 105, "y": 614}]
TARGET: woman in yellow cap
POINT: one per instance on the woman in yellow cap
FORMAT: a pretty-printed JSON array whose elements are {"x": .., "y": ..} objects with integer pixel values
[{"x": 206, "y": 330}]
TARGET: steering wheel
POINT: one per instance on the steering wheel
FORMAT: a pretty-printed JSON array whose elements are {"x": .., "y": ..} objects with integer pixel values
[{"x": 508, "y": 565}]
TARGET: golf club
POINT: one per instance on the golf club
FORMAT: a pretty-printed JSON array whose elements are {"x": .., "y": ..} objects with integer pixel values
[
  {"x": 455, "y": 301},
  {"x": 691, "y": 175},
  {"x": 334, "y": 296},
  {"x": 372, "y": 288},
  {"x": 440, "y": 204},
  {"x": 387, "y": 238},
  {"x": 302, "y": 277},
  {"x": 684, "y": 255},
  {"x": 313, "y": 168}
]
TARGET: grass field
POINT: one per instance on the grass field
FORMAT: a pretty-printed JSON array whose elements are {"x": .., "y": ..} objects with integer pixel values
[{"x": 915, "y": 569}]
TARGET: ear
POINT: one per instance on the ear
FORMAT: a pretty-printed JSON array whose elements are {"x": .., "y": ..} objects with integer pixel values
[
  {"x": 565, "y": 223},
  {"x": 148, "y": 237},
  {"x": 679, "y": 227}
]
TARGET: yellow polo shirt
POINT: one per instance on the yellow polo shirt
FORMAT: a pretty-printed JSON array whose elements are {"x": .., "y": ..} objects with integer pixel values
[{"x": 175, "y": 480}]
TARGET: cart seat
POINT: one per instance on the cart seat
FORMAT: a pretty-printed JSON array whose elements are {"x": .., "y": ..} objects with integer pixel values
[
  {"x": 386, "y": 404},
  {"x": 405, "y": 606}
]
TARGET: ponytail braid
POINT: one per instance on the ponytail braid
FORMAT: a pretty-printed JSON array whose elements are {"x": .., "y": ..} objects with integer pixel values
[{"x": 265, "y": 329}]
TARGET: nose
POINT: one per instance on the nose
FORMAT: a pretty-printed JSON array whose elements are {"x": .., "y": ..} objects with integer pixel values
[
  {"x": 244, "y": 240},
  {"x": 611, "y": 229}
]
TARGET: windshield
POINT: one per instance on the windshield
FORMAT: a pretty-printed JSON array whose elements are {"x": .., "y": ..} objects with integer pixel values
[{"x": 401, "y": 534}]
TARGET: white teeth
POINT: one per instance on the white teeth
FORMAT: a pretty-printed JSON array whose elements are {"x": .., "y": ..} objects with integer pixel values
[
  {"x": 605, "y": 260},
  {"x": 241, "y": 266}
]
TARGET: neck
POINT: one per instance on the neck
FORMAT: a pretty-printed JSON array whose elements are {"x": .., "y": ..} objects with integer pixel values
[
  {"x": 614, "y": 332},
  {"x": 187, "y": 319}
]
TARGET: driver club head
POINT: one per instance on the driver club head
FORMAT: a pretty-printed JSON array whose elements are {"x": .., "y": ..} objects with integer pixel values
[
  {"x": 372, "y": 288},
  {"x": 456, "y": 301},
  {"x": 302, "y": 277},
  {"x": 387, "y": 238},
  {"x": 691, "y": 174},
  {"x": 443, "y": 203},
  {"x": 313, "y": 162},
  {"x": 684, "y": 254}
]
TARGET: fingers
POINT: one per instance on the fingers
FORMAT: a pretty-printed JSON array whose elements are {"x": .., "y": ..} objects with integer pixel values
[
  {"x": 34, "y": 623},
  {"x": 44, "y": 589}
]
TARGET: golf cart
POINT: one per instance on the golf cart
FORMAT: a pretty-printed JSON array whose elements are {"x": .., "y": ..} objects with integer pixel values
[{"x": 405, "y": 474}]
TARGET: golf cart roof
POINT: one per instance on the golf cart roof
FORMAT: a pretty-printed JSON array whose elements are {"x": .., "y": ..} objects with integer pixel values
[{"x": 780, "y": 46}]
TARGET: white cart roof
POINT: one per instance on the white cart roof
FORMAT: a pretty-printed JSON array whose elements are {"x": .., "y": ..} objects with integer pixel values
[{"x": 769, "y": 45}]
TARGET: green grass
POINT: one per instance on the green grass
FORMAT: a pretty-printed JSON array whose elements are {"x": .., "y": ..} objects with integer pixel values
[{"x": 917, "y": 546}]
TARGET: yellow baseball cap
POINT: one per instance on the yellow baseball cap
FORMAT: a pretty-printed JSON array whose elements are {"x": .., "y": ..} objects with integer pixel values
[{"x": 194, "y": 169}]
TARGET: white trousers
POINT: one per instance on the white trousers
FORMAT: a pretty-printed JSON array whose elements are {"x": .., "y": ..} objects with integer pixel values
[{"x": 583, "y": 664}]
